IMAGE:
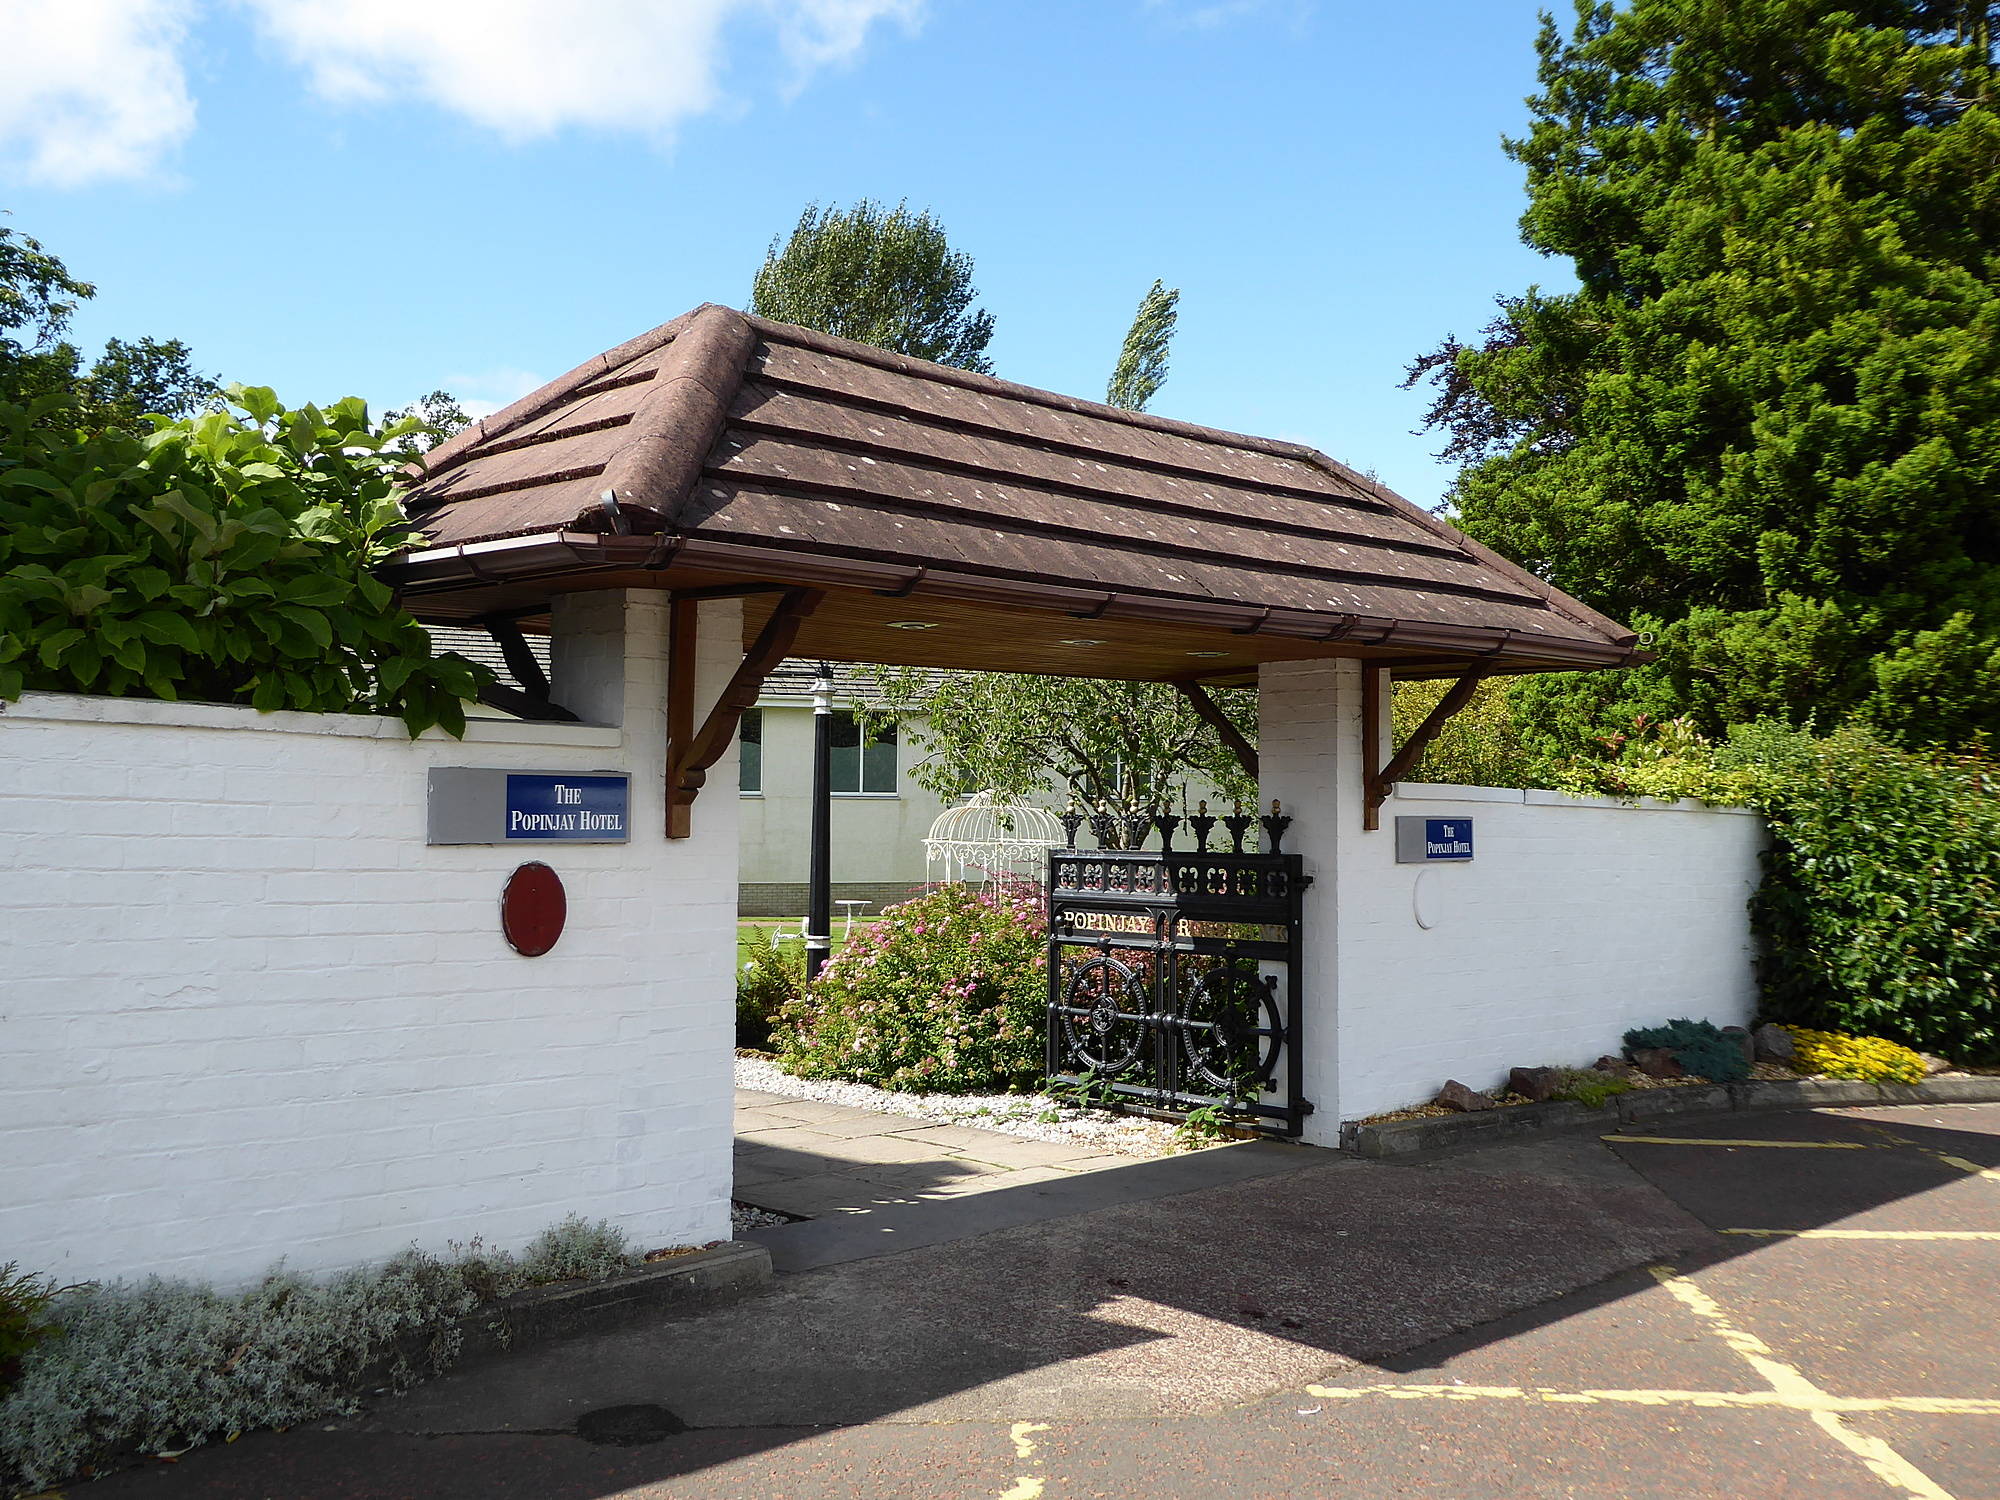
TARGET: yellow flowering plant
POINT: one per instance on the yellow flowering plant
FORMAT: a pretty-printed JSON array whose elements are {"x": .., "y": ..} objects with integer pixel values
[{"x": 1869, "y": 1059}]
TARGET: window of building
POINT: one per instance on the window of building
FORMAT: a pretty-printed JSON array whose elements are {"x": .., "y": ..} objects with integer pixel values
[
  {"x": 862, "y": 762},
  {"x": 750, "y": 747}
]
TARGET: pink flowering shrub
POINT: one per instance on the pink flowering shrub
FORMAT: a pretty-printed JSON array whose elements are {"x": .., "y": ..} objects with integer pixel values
[{"x": 946, "y": 994}]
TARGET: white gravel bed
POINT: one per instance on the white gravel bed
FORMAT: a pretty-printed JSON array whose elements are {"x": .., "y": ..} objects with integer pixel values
[
  {"x": 1035, "y": 1116},
  {"x": 742, "y": 1216}
]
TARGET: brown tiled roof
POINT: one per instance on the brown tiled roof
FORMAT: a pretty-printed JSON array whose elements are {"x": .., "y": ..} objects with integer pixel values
[{"x": 755, "y": 448}]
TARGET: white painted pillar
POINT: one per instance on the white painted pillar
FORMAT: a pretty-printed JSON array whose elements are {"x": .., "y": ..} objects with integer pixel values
[
  {"x": 1309, "y": 753},
  {"x": 608, "y": 659}
]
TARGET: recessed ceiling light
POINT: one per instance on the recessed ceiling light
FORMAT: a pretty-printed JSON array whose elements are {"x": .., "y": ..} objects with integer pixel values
[
  {"x": 1208, "y": 653},
  {"x": 913, "y": 624},
  {"x": 1082, "y": 640}
]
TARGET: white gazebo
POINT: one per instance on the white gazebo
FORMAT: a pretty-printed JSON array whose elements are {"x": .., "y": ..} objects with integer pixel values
[{"x": 998, "y": 841}]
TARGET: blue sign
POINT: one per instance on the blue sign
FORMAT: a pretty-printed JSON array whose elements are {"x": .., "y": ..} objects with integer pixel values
[
  {"x": 577, "y": 809},
  {"x": 1447, "y": 838},
  {"x": 1423, "y": 840}
]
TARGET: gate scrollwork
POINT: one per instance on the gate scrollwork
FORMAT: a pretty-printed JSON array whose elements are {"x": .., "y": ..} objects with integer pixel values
[{"x": 1174, "y": 979}]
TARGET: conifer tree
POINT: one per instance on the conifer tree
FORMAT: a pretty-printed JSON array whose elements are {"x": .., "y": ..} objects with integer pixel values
[
  {"x": 1142, "y": 363},
  {"x": 1766, "y": 425}
]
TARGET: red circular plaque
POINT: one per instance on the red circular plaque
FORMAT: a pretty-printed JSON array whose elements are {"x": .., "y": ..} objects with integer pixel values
[{"x": 532, "y": 909}]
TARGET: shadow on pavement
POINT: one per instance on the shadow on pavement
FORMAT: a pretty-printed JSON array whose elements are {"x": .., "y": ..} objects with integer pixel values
[{"x": 1147, "y": 1306}]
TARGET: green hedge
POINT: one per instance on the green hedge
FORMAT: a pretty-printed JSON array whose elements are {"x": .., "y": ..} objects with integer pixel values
[{"x": 1880, "y": 906}]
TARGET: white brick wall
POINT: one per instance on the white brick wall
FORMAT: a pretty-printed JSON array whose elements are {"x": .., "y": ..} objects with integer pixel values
[
  {"x": 1577, "y": 920},
  {"x": 246, "y": 1013}
]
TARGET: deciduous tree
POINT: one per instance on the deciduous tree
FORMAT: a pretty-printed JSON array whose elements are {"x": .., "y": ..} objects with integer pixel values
[
  {"x": 1126, "y": 747},
  {"x": 126, "y": 383},
  {"x": 882, "y": 276}
]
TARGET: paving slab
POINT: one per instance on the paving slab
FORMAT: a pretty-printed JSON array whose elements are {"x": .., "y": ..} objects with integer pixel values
[
  {"x": 956, "y": 1137},
  {"x": 798, "y": 1136},
  {"x": 878, "y": 1148},
  {"x": 766, "y": 1119},
  {"x": 820, "y": 1160},
  {"x": 803, "y": 1110},
  {"x": 1018, "y": 1151}
]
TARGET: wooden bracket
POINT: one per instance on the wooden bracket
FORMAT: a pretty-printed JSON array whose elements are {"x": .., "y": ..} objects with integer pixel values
[
  {"x": 1210, "y": 713},
  {"x": 1377, "y": 784},
  {"x": 690, "y": 752}
]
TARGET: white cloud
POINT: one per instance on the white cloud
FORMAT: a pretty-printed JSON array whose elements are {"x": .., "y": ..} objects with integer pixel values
[
  {"x": 95, "y": 89},
  {"x": 91, "y": 89},
  {"x": 527, "y": 68}
]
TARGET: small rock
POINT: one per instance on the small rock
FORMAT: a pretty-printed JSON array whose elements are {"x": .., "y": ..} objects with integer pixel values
[
  {"x": 1658, "y": 1062},
  {"x": 1774, "y": 1044},
  {"x": 1933, "y": 1064},
  {"x": 1537, "y": 1084},
  {"x": 1455, "y": 1095},
  {"x": 1617, "y": 1067}
]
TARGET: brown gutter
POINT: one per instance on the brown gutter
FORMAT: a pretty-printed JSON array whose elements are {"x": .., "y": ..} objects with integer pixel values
[{"x": 552, "y": 555}]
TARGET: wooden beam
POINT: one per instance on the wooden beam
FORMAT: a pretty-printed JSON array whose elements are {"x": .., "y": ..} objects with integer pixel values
[
  {"x": 690, "y": 752},
  {"x": 1382, "y": 782},
  {"x": 1375, "y": 683},
  {"x": 506, "y": 632},
  {"x": 1210, "y": 713}
]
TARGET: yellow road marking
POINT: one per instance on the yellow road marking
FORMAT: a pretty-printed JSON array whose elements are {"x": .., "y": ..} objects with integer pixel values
[
  {"x": 1675, "y": 1140},
  {"x": 1790, "y": 1389},
  {"x": 1027, "y": 1486},
  {"x": 1871, "y": 1234},
  {"x": 1991, "y": 1174},
  {"x": 1930, "y": 1406},
  {"x": 1023, "y": 1448},
  {"x": 1888, "y": 1465},
  {"x": 1883, "y": 1461}
]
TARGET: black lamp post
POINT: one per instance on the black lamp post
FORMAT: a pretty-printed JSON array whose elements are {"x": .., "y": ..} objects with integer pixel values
[{"x": 819, "y": 878}]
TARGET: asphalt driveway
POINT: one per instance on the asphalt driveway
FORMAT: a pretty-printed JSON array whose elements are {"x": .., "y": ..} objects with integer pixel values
[{"x": 1791, "y": 1304}]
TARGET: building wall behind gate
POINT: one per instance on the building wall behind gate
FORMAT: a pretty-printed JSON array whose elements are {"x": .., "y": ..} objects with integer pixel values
[
  {"x": 1578, "y": 918},
  {"x": 248, "y": 1014}
]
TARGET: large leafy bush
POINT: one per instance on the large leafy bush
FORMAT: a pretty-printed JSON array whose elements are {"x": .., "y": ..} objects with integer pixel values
[
  {"x": 770, "y": 978},
  {"x": 947, "y": 993},
  {"x": 1880, "y": 907},
  {"x": 225, "y": 558}
]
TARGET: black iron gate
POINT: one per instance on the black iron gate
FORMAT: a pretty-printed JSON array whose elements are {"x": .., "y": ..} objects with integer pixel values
[{"x": 1174, "y": 974}]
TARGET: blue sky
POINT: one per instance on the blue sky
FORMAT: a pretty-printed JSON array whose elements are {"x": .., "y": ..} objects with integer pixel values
[{"x": 382, "y": 196}]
